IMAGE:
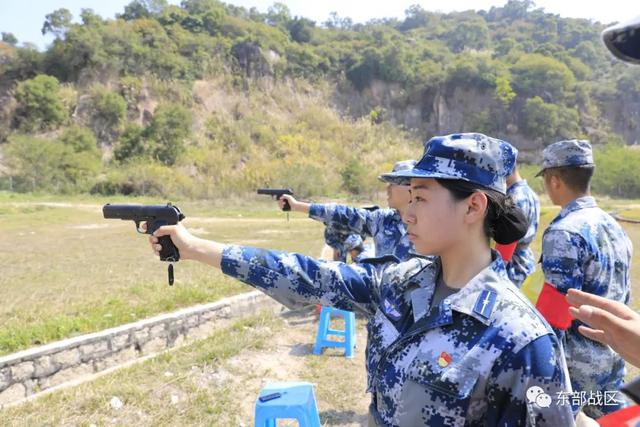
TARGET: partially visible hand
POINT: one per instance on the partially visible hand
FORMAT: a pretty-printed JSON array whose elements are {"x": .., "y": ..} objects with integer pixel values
[
  {"x": 186, "y": 243},
  {"x": 584, "y": 421},
  {"x": 292, "y": 202},
  {"x": 610, "y": 322}
]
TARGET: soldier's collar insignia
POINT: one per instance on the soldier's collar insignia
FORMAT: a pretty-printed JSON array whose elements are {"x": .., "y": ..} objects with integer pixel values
[
  {"x": 390, "y": 309},
  {"x": 484, "y": 303}
]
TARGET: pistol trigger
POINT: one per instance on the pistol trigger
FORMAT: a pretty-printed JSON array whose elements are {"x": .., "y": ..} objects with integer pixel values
[
  {"x": 170, "y": 272},
  {"x": 138, "y": 227}
]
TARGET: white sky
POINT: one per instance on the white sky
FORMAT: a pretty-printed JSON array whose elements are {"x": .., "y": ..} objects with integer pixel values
[{"x": 24, "y": 18}]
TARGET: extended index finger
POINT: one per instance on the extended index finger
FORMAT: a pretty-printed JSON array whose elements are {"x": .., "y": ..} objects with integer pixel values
[
  {"x": 599, "y": 319},
  {"x": 165, "y": 230}
]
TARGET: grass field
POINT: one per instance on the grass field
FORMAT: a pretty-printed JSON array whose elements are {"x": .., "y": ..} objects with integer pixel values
[{"x": 67, "y": 271}]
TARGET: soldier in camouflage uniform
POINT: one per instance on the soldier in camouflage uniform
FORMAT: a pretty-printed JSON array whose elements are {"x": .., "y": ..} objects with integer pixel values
[
  {"x": 583, "y": 248},
  {"x": 522, "y": 263},
  {"x": 453, "y": 341},
  {"x": 384, "y": 225}
]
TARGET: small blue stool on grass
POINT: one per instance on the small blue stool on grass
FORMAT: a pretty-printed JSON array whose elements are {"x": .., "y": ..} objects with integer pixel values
[
  {"x": 325, "y": 331},
  {"x": 287, "y": 400}
]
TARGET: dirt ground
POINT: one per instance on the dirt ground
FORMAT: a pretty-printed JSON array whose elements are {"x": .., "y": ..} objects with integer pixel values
[{"x": 214, "y": 382}]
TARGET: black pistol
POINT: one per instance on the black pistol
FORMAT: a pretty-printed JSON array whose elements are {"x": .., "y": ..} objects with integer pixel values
[
  {"x": 277, "y": 194},
  {"x": 155, "y": 216}
]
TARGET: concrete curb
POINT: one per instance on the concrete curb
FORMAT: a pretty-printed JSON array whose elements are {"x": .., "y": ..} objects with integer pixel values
[{"x": 40, "y": 370}]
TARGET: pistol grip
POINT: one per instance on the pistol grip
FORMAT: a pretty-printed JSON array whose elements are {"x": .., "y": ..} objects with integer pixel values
[
  {"x": 169, "y": 251},
  {"x": 287, "y": 206}
]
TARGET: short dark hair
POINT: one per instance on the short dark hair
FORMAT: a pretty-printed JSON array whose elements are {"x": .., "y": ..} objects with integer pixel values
[{"x": 577, "y": 178}]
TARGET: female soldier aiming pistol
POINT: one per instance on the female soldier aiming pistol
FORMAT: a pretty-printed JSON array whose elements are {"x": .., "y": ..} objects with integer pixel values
[{"x": 453, "y": 341}]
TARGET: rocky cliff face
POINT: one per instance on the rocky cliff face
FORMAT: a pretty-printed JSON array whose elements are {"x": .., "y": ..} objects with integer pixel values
[
  {"x": 623, "y": 116},
  {"x": 461, "y": 109}
]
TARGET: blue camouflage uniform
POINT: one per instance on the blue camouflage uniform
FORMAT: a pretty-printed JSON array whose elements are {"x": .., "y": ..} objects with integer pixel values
[
  {"x": 384, "y": 225},
  {"x": 481, "y": 357},
  {"x": 523, "y": 263},
  {"x": 584, "y": 248},
  {"x": 344, "y": 242}
]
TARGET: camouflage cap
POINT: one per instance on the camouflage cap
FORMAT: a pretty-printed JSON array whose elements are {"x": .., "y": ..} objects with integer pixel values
[
  {"x": 471, "y": 157},
  {"x": 403, "y": 165},
  {"x": 573, "y": 152}
]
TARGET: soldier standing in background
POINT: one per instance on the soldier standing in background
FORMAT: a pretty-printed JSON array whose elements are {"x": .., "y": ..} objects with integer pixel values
[{"x": 583, "y": 248}]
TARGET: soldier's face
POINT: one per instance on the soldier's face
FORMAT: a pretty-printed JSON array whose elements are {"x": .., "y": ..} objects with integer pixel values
[
  {"x": 398, "y": 196},
  {"x": 435, "y": 221}
]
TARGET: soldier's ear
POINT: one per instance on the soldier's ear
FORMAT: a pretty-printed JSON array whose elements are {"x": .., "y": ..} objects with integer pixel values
[
  {"x": 476, "y": 207},
  {"x": 550, "y": 180},
  {"x": 556, "y": 182}
]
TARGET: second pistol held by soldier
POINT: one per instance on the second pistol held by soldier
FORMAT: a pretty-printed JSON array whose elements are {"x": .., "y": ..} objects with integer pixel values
[{"x": 385, "y": 226}]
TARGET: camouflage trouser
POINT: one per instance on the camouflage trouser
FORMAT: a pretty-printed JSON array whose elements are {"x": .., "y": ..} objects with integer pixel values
[{"x": 371, "y": 422}]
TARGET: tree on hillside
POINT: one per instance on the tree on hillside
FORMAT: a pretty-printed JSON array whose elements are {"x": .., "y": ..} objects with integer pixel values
[
  {"x": 471, "y": 33},
  {"x": 278, "y": 15},
  {"x": 39, "y": 104},
  {"x": 9, "y": 38},
  {"x": 169, "y": 128},
  {"x": 143, "y": 9},
  {"x": 538, "y": 75},
  {"x": 338, "y": 22},
  {"x": 57, "y": 23},
  {"x": 415, "y": 17},
  {"x": 301, "y": 29}
]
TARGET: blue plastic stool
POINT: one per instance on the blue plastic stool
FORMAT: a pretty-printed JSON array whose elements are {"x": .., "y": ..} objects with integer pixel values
[
  {"x": 297, "y": 401},
  {"x": 325, "y": 331}
]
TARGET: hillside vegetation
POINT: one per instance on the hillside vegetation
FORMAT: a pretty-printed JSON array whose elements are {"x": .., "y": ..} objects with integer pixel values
[{"x": 206, "y": 99}]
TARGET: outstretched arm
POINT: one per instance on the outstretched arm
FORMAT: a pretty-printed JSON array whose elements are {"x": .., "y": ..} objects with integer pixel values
[
  {"x": 291, "y": 279},
  {"x": 347, "y": 218}
]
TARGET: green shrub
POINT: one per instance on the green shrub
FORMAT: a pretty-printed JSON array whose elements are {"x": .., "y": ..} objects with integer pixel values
[
  {"x": 144, "y": 178},
  {"x": 43, "y": 165},
  {"x": 80, "y": 140},
  {"x": 616, "y": 172},
  {"x": 39, "y": 104},
  {"x": 169, "y": 129},
  {"x": 109, "y": 109},
  {"x": 353, "y": 176}
]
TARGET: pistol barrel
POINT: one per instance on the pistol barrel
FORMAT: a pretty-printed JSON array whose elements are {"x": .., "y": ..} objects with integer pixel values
[{"x": 171, "y": 214}]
